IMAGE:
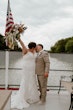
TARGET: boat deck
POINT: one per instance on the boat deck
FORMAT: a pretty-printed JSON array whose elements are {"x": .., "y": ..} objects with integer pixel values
[{"x": 54, "y": 101}]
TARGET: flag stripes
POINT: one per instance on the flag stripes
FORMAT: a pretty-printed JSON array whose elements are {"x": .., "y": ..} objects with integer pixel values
[{"x": 9, "y": 19}]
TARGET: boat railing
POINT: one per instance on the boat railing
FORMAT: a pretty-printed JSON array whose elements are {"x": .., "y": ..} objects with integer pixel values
[{"x": 50, "y": 86}]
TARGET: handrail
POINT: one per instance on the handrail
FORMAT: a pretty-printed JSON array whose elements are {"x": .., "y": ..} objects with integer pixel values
[
  {"x": 51, "y": 86},
  {"x": 16, "y": 87},
  {"x": 12, "y": 68},
  {"x": 49, "y": 70}
]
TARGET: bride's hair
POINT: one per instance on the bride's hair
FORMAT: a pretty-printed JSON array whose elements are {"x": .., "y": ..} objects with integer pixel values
[{"x": 31, "y": 45}]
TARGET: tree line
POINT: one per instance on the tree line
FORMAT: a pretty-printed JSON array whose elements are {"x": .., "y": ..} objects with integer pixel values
[{"x": 63, "y": 46}]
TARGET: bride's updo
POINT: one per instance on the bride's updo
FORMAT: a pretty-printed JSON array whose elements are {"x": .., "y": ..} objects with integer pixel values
[{"x": 31, "y": 45}]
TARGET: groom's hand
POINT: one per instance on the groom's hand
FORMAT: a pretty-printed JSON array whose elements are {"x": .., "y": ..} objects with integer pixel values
[{"x": 46, "y": 75}]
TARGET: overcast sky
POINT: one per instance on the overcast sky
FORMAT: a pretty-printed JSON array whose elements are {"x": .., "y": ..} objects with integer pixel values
[{"x": 47, "y": 20}]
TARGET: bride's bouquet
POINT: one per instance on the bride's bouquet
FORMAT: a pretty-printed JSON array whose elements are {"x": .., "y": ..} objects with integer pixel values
[
  {"x": 14, "y": 34},
  {"x": 18, "y": 29}
]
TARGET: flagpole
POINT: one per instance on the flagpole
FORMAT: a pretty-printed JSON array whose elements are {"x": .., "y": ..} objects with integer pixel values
[
  {"x": 9, "y": 24},
  {"x": 7, "y": 52},
  {"x": 6, "y": 68}
]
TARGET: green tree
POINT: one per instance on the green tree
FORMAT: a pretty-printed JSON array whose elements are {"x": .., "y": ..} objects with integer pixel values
[
  {"x": 63, "y": 45},
  {"x": 53, "y": 49},
  {"x": 59, "y": 46},
  {"x": 2, "y": 42},
  {"x": 69, "y": 46}
]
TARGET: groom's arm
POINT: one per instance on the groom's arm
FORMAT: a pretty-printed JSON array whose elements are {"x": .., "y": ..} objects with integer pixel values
[{"x": 47, "y": 64}]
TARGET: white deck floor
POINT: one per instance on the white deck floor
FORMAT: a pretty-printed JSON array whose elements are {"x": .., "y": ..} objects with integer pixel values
[{"x": 54, "y": 101}]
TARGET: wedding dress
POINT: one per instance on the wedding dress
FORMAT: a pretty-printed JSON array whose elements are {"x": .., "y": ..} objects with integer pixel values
[{"x": 28, "y": 92}]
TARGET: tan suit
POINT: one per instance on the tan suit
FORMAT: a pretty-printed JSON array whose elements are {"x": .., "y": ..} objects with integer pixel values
[{"x": 42, "y": 66}]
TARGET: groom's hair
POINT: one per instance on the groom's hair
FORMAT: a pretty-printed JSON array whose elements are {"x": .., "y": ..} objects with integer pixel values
[
  {"x": 31, "y": 45},
  {"x": 40, "y": 45}
]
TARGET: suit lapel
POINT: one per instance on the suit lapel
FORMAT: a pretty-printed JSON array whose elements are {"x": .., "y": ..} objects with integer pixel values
[{"x": 40, "y": 53}]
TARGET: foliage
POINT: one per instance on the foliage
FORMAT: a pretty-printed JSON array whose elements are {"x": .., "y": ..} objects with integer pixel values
[
  {"x": 69, "y": 46},
  {"x": 2, "y": 43},
  {"x": 63, "y": 46}
]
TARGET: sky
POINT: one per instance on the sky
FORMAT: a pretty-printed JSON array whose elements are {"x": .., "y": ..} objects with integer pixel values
[{"x": 47, "y": 21}]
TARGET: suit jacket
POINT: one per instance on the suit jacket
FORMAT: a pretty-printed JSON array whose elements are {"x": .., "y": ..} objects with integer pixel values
[{"x": 42, "y": 63}]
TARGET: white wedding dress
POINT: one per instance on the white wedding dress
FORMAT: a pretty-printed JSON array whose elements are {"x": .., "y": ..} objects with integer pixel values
[{"x": 28, "y": 92}]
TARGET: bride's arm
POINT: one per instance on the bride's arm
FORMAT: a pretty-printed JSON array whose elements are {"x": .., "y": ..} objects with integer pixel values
[{"x": 24, "y": 49}]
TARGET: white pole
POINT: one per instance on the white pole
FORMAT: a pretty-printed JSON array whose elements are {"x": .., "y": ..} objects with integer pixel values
[{"x": 6, "y": 68}]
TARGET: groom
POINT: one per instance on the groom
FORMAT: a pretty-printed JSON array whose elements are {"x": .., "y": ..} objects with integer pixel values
[{"x": 42, "y": 71}]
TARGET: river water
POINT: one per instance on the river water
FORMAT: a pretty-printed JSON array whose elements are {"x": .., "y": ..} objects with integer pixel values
[{"x": 60, "y": 65}]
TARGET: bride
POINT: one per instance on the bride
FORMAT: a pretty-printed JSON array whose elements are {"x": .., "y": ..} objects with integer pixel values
[{"x": 28, "y": 92}]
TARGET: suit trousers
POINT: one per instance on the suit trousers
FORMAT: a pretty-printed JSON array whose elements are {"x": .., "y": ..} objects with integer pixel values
[{"x": 42, "y": 81}]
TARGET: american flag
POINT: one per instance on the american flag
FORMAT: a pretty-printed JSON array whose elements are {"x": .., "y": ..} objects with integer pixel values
[{"x": 9, "y": 19}]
